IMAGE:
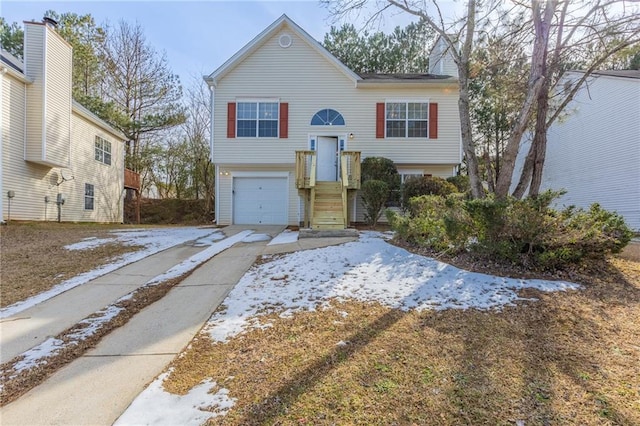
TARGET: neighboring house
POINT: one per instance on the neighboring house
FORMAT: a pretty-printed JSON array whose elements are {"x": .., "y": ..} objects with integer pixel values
[
  {"x": 291, "y": 124},
  {"x": 594, "y": 152},
  {"x": 52, "y": 148}
]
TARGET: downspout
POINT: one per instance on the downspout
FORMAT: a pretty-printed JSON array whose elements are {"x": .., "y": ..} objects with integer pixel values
[{"x": 216, "y": 202}]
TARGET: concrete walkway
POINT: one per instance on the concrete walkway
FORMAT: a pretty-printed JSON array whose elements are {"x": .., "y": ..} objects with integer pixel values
[{"x": 99, "y": 386}]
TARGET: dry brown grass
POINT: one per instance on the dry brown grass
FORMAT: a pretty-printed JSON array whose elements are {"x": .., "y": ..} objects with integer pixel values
[
  {"x": 569, "y": 358},
  {"x": 33, "y": 258}
]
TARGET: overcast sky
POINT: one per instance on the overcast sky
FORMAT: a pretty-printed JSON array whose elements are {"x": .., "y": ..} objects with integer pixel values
[{"x": 197, "y": 36}]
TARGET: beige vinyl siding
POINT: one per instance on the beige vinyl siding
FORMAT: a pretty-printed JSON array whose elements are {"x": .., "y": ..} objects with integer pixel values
[
  {"x": 34, "y": 68},
  {"x": 308, "y": 82},
  {"x": 58, "y": 87},
  {"x": 31, "y": 182},
  {"x": 225, "y": 194},
  {"x": 48, "y": 62},
  {"x": 108, "y": 180}
]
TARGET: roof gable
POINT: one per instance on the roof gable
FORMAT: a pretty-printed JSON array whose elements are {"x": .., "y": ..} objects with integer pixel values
[{"x": 283, "y": 22}]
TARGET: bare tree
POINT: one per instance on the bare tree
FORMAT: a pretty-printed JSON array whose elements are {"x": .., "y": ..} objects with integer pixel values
[
  {"x": 196, "y": 129},
  {"x": 586, "y": 37},
  {"x": 140, "y": 84},
  {"x": 560, "y": 27},
  {"x": 458, "y": 35}
]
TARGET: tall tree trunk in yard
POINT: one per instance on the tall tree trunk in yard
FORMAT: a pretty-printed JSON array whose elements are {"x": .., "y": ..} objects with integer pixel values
[
  {"x": 542, "y": 26},
  {"x": 540, "y": 140},
  {"x": 525, "y": 175},
  {"x": 468, "y": 145}
]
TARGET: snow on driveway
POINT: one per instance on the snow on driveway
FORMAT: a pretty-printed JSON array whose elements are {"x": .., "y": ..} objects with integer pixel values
[
  {"x": 153, "y": 240},
  {"x": 369, "y": 269}
]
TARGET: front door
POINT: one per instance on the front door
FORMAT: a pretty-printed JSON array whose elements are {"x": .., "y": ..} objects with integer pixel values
[{"x": 327, "y": 159}]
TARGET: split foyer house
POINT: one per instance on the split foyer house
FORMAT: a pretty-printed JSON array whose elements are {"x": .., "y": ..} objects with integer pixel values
[
  {"x": 291, "y": 124},
  {"x": 594, "y": 152},
  {"x": 53, "y": 150}
]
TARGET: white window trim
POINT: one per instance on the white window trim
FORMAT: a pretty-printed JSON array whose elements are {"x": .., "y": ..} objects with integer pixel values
[
  {"x": 406, "y": 101},
  {"x": 409, "y": 172},
  {"x": 258, "y": 101},
  {"x": 102, "y": 149},
  {"x": 85, "y": 196}
]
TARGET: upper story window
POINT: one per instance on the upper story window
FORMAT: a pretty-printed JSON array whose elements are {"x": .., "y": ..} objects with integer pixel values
[
  {"x": 406, "y": 119},
  {"x": 103, "y": 150},
  {"x": 257, "y": 119},
  {"x": 327, "y": 117}
]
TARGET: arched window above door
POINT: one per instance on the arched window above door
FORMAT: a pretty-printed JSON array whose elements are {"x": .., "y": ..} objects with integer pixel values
[{"x": 327, "y": 117}]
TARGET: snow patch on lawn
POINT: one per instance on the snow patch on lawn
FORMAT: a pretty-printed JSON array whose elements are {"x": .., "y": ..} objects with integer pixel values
[
  {"x": 155, "y": 406},
  {"x": 153, "y": 240},
  {"x": 369, "y": 269}
]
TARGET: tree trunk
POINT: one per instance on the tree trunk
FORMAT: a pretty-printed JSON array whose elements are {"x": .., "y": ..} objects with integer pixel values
[
  {"x": 537, "y": 77},
  {"x": 525, "y": 175},
  {"x": 540, "y": 140},
  {"x": 468, "y": 146}
]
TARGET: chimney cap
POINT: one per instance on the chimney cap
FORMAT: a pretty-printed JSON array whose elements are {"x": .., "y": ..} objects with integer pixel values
[{"x": 50, "y": 22}]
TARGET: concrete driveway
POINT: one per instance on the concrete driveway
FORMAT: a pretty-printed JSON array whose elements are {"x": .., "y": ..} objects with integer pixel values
[{"x": 97, "y": 387}]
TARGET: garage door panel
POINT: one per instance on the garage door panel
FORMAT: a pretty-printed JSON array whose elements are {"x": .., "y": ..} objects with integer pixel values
[{"x": 260, "y": 200}]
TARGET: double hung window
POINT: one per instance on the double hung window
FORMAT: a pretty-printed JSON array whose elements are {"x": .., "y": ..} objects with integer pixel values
[{"x": 257, "y": 119}]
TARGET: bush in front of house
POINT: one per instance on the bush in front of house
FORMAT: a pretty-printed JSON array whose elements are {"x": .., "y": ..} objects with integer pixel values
[
  {"x": 525, "y": 232},
  {"x": 383, "y": 169},
  {"x": 374, "y": 196},
  {"x": 461, "y": 182},
  {"x": 425, "y": 185}
]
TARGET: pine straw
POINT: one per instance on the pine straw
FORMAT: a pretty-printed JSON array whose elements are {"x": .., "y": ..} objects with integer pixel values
[
  {"x": 34, "y": 260},
  {"x": 569, "y": 358}
]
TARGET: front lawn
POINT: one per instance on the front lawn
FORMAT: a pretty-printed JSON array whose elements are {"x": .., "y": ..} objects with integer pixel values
[{"x": 569, "y": 357}]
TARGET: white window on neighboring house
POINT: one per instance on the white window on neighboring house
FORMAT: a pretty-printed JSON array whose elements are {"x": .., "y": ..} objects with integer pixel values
[
  {"x": 409, "y": 174},
  {"x": 406, "y": 119},
  {"x": 257, "y": 119},
  {"x": 103, "y": 150},
  {"x": 89, "y": 196}
]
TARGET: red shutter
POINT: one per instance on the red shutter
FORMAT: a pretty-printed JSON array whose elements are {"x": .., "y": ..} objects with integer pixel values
[
  {"x": 380, "y": 120},
  {"x": 231, "y": 120},
  {"x": 284, "y": 120},
  {"x": 433, "y": 121}
]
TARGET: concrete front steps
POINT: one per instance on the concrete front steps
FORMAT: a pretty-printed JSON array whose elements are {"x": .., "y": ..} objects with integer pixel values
[{"x": 327, "y": 208}]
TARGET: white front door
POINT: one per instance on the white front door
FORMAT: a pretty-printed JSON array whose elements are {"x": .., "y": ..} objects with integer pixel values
[{"x": 327, "y": 159}]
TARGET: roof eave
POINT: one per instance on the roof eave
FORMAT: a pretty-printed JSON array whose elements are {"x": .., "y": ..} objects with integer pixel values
[
  {"x": 18, "y": 75},
  {"x": 84, "y": 112},
  {"x": 394, "y": 83}
]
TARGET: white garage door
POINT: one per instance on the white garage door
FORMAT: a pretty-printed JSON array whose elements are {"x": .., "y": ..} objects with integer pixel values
[{"x": 260, "y": 200}]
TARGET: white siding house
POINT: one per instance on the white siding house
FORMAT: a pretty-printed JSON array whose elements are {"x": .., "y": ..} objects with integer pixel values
[
  {"x": 51, "y": 146},
  {"x": 283, "y": 92},
  {"x": 594, "y": 153}
]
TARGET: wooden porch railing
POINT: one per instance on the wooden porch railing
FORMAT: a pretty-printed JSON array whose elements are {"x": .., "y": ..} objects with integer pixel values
[
  {"x": 350, "y": 168},
  {"x": 305, "y": 169},
  {"x": 131, "y": 179}
]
